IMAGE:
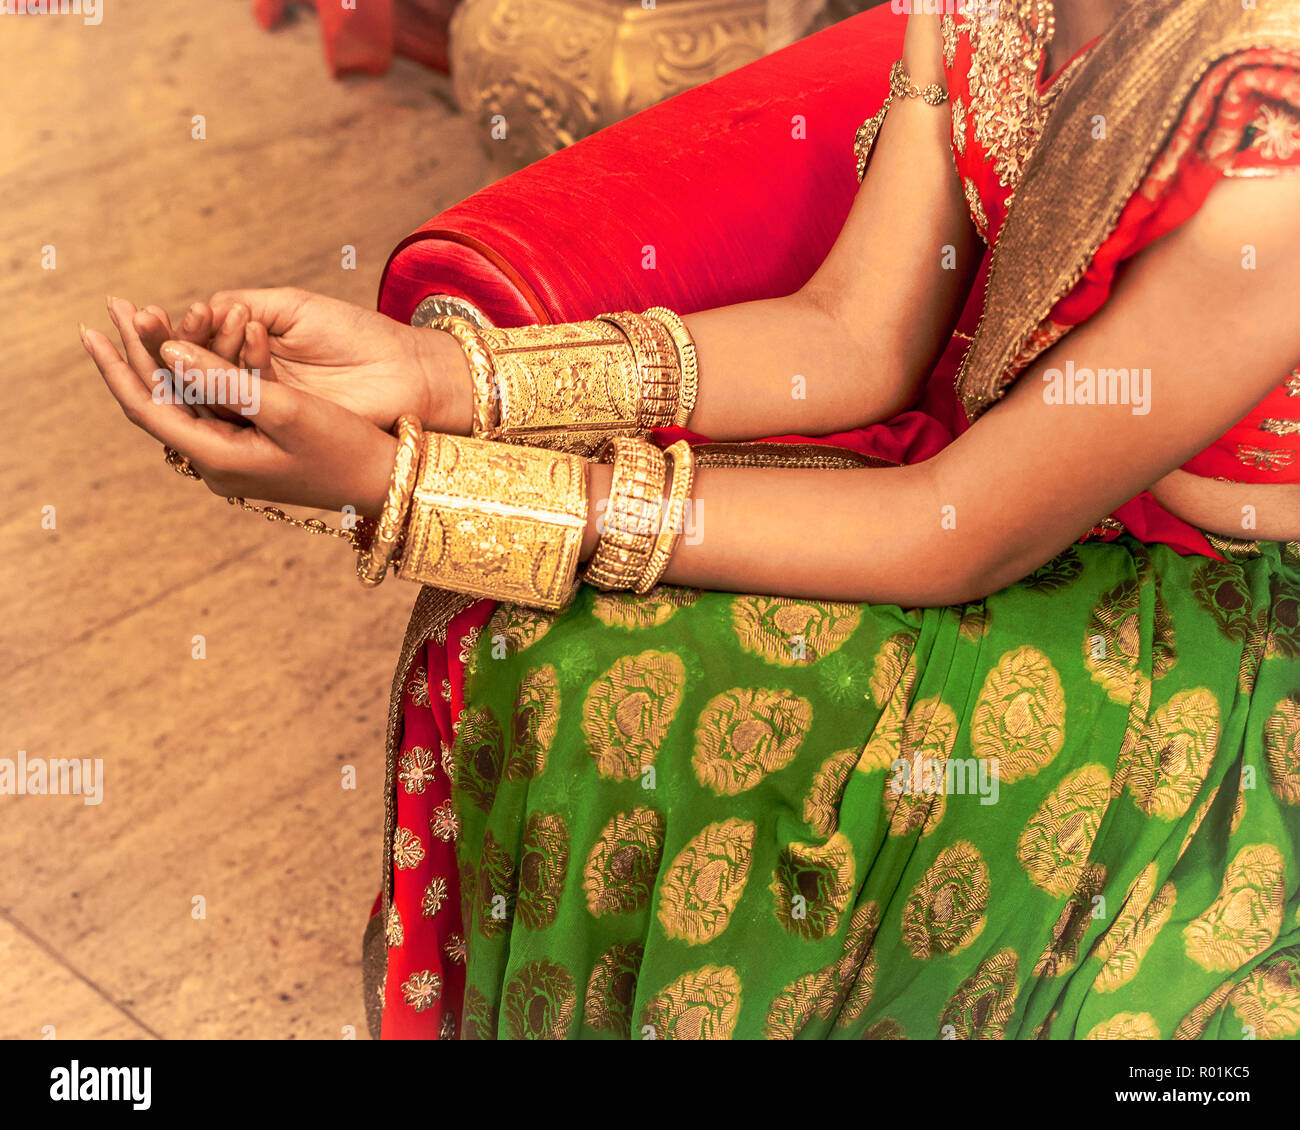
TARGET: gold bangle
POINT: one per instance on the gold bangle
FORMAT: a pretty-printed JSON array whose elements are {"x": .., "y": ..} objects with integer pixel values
[
  {"x": 373, "y": 562},
  {"x": 636, "y": 496},
  {"x": 674, "y": 518},
  {"x": 657, "y": 365},
  {"x": 482, "y": 371},
  {"x": 497, "y": 521},
  {"x": 687, "y": 361},
  {"x": 569, "y": 386}
]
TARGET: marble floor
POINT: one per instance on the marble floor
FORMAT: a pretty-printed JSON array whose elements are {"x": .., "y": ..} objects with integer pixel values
[{"x": 221, "y": 887}]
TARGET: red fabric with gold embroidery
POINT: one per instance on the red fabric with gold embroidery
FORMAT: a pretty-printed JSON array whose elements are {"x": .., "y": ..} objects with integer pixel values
[{"x": 1243, "y": 120}]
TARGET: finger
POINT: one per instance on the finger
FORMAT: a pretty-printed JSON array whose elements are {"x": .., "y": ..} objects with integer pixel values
[
  {"x": 153, "y": 328},
  {"x": 142, "y": 362},
  {"x": 196, "y": 325},
  {"x": 206, "y": 441},
  {"x": 268, "y": 404},
  {"x": 230, "y": 333},
  {"x": 256, "y": 354},
  {"x": 161, "y": 314},
  {"x": 275, "y": 307}
]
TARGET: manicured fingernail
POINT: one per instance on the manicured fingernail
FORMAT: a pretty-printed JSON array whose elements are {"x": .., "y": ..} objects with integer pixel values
[
  {"x": 172, "y": 351},
  {"x": 81, "y": 329}
]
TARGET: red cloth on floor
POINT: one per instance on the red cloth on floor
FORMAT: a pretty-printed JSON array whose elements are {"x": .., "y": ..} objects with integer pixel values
[{"x": 365, "y": 38}]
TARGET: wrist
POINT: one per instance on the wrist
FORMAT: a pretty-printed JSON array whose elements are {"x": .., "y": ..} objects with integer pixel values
[
  {"x": 599, "y": 476},
  {"x": 446, "y": 394},
  {"x": 377, "y": 473}
]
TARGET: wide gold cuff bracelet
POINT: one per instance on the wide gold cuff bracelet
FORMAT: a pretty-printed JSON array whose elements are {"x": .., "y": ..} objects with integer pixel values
[
  {"x": 497, "y": 521},
  {"x": 569, "y": 387},
  {"x": 576, "y": 385}
]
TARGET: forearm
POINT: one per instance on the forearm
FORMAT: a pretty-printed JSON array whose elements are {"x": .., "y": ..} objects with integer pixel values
[
  {"x": 788, "y": 366},
  {"x": 854, "y": 535}
]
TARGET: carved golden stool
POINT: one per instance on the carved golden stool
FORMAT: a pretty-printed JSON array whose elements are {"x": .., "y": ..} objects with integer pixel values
[{"x": 541, "y": 74}]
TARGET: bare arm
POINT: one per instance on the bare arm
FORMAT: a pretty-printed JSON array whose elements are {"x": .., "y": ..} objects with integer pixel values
[
  {"x": 865, "y": 331},
  {"x": 1029, "y": 477}
]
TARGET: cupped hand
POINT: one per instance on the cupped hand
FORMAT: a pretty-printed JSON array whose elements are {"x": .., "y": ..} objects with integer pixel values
[
  {"x": 292, "y": 447},
  {"x": 357, "y": 358}
]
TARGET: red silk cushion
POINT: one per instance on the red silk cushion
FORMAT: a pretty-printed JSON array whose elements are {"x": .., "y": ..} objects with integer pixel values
[{"x": 737, "y": 188}]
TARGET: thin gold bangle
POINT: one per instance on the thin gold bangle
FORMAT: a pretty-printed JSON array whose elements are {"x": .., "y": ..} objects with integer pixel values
[
  {"x": 482, "y": 372},
  {"x": 686, "y": 358},
  {"x": 374, "y": 560},
  {"x": 674, "y": 518}
]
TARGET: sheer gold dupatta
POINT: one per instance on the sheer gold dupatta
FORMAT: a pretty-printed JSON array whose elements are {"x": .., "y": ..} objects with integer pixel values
[{"x": 1138, "y": 78}]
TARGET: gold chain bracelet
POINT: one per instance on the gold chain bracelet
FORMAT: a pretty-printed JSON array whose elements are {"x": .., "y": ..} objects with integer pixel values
[{"x": 900, "y": 86}]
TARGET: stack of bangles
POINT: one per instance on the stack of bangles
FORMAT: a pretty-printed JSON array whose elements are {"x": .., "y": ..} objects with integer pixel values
[
  {"x": 505, "y": 522},
  {"x": 501, "y": 514}
]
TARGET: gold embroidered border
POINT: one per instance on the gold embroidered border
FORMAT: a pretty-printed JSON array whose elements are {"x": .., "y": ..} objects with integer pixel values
[
  {"x": 434, "y": 610},
  {"x": 1074, "y": 189},
  {"x": 820, "y": 456}
]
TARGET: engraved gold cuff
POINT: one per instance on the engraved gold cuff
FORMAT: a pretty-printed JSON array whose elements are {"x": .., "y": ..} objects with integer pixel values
[
  {"x": 569, "y": 387},
  {"x": 574, "y": 386},
  {"x": 497, "y": 521}
]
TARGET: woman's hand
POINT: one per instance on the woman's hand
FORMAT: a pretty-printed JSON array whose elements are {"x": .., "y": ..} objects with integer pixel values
[
  {"x": 357, "y": 358},
  {"x": 300, "y": 449}
]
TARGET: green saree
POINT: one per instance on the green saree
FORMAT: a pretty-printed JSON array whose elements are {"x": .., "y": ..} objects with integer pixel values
[
  {"x": 1066, "y": 811},
  {"x": 1070, "y": 810}
]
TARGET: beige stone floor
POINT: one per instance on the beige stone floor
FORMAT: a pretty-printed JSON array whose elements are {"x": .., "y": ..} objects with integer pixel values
[{"x": 222, "y": 776}]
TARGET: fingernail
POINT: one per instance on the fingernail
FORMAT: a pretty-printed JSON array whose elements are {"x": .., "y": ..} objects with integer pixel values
[
  {"x": 232, "y": 319},
  {"x": 81, "y": 329},
  {"x": 191, "y": 317},
  {"x": 172, "y": 351},
  {"x": 109, "y": 300}
]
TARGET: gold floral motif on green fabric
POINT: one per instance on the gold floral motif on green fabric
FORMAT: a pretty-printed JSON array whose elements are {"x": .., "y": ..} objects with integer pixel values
[
  {"x": 611, "y": 989},
  {"x": 791, "y": 632},
  {"x": 621, "y": 866},
  {"x": 946, "y": 911},
  {"x": 536, "y": 718},
  {"x": 743, "y": 735},
  {"x": 629, "y": 709},
  {"x": 702, "y": 885},
  {"x": 703, "y": 1005},
  {"x": 543, "y": 867},
  {"x": 984, "y": 1003},
  {"x": 1020, "y": 716},
  {"x": 540, "y": 1002},
  {"x": 1246, "y": 917}
]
